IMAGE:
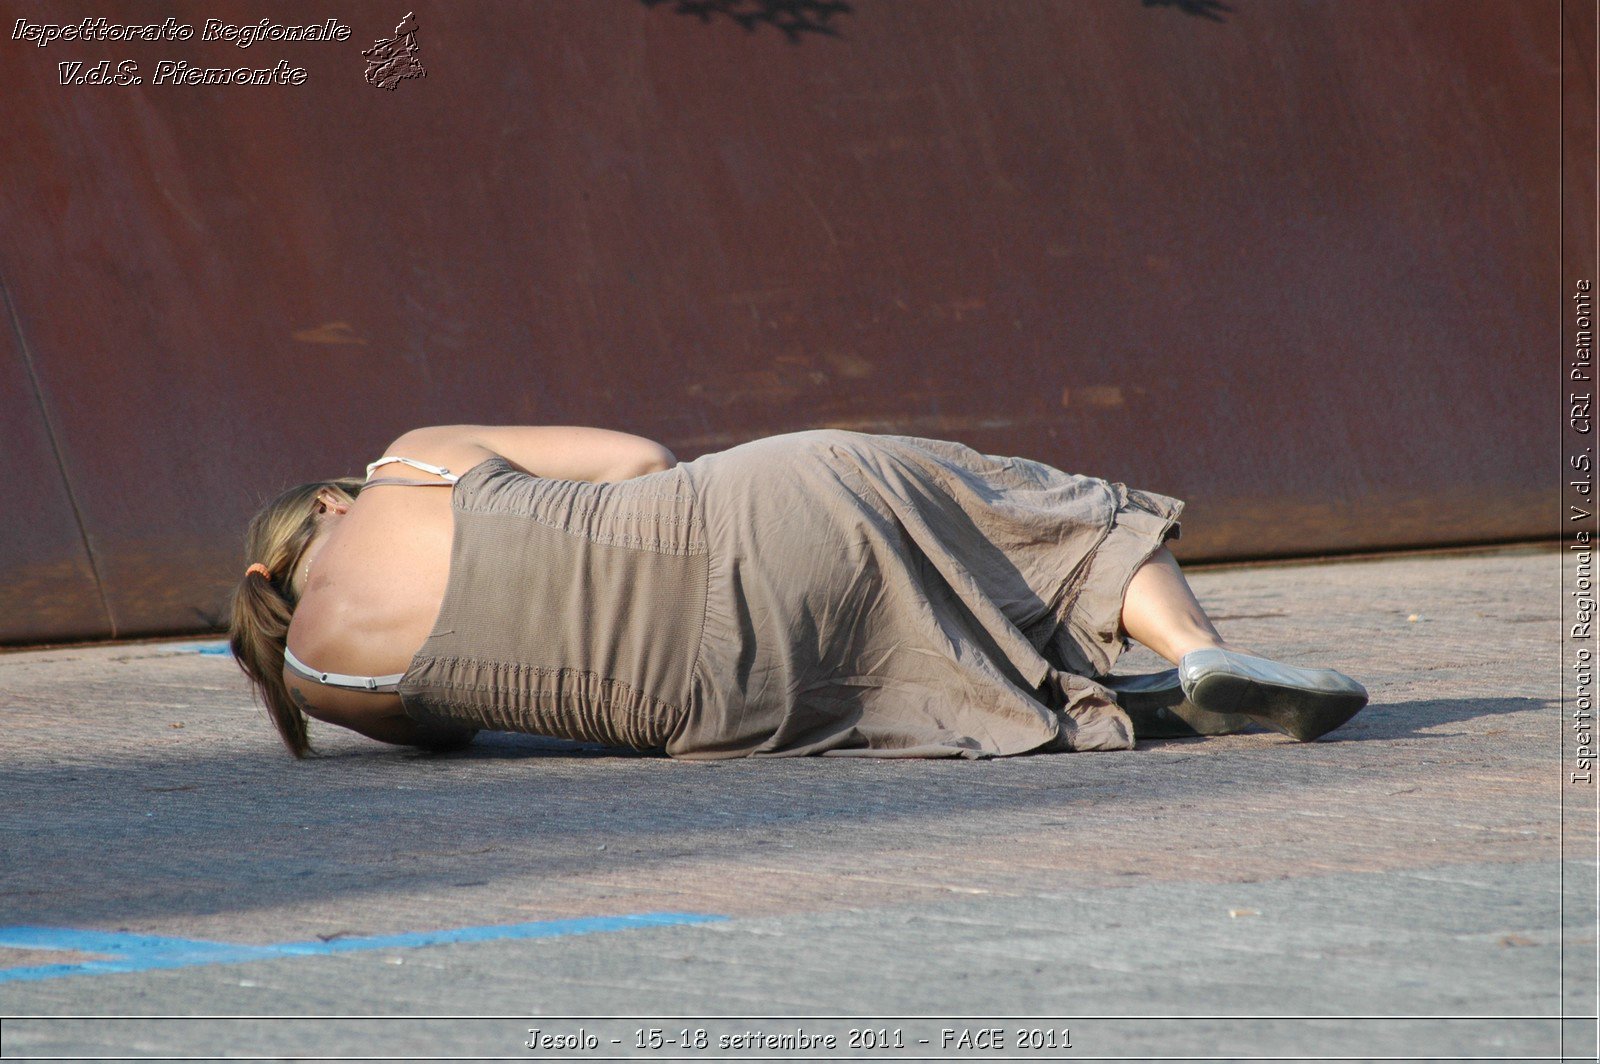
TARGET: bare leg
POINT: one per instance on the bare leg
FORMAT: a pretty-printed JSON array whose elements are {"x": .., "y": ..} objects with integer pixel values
[{"x": 1161, "y": 612}]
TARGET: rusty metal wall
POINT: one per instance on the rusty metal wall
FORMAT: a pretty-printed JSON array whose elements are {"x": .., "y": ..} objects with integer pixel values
[{"x": 1291, "y": 260}]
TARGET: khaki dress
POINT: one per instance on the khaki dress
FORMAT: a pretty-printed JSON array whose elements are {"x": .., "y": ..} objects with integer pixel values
[{"x": 822, "y": 592}]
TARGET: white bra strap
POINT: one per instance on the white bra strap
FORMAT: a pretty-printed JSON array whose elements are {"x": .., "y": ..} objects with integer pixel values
[
  {"x": 414, "y": 464},
  {"x": 339, "y": 679}
]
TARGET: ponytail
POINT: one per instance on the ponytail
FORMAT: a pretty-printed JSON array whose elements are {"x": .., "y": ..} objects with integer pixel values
[{"x": 264, "y": 601}]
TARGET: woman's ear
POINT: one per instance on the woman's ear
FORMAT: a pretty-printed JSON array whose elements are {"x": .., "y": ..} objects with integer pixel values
[{"x": 327, "y": 500}]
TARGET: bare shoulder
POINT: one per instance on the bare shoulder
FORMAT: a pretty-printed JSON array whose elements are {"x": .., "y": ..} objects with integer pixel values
[
  {"x": 377, "y": 716},
  {"x": 361, "y": 711},
  {"x": 454, "y": 447}
]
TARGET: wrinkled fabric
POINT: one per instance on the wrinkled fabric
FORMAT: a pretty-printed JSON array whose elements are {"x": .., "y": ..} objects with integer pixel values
[{"x": 822, "y": 592}]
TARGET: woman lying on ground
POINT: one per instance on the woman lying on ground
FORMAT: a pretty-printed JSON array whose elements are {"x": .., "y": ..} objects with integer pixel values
[{"x": 822, "y": 592}]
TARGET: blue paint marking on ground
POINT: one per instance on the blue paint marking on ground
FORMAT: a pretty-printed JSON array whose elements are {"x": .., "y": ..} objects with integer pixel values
[
  {"x": 124, "y": 952},
  {"x": 219, "y": 647}
]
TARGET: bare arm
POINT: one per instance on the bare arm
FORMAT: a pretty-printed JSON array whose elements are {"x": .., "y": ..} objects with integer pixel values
[
  {"x": 377, "y": 717},
  {"x": 560, "y": 452}
]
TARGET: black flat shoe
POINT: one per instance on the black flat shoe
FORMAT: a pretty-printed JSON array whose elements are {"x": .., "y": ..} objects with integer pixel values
[
  {"x": 1159, "y": 709},
  {"x": 1301, "y": 703}
]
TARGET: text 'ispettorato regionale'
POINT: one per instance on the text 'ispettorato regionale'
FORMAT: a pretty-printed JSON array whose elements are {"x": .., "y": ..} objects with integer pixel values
[{"x": 177, "y": 71}]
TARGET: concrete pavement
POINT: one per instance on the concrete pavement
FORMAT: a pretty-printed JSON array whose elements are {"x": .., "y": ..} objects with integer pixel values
[{"x": 1401, "y": 890}]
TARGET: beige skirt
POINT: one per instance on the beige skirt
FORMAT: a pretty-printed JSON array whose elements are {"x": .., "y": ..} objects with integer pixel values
[{"x": 822, "y": 592}]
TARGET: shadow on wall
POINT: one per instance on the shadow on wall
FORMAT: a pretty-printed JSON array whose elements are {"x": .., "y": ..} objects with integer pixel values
[
  {"x": 796, "y": 18},
  {"x": 1202, "y": 8}
]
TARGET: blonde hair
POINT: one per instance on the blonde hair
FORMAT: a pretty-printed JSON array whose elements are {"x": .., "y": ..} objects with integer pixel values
[{"x": 263, "y": 605}]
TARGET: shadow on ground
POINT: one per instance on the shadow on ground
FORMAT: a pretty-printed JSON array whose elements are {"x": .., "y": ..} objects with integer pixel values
[{"x": 217, "y": 832}]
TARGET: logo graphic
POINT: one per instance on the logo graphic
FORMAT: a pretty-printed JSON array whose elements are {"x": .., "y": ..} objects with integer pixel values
[{"x": 391, "y": 60}]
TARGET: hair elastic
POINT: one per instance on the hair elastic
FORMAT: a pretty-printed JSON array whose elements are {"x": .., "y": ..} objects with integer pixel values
[{"x": 257, "y": 567}]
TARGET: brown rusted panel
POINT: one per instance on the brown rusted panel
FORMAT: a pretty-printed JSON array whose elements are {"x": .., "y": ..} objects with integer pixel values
[
  {"x": 1291, "y": 262},
  {"x": 1578, "y": 112},
  {"x": 48, "y": 590}
]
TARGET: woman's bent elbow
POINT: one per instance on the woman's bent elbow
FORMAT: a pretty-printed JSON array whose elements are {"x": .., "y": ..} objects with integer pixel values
[
  {"x": 662, "y": 459},
  {"x": 652, "y": 459}
]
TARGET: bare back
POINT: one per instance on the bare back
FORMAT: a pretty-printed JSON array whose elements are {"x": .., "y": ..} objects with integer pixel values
[
  {"x": 377, "y": 579},
  {"x": 375, "y": 586}
]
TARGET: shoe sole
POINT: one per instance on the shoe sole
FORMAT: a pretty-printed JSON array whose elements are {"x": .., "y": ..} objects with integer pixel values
[
  {"x": 1294, "y": 711},
  {"x": 1183, "y": 721},
  {"x": 1165, "y": 712}
]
